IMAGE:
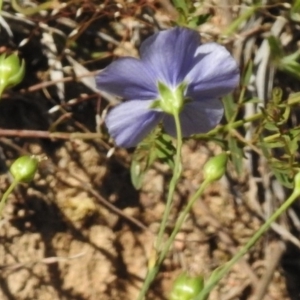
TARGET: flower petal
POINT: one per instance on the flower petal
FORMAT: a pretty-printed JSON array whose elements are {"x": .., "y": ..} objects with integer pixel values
[
  {"x": 196, "y": 117},
  {"x": 170, "y": 54},
  {"x": 215, "y": 73},
  {"x": 129, "y": 78},
  {"x": 130, "y": 122}
]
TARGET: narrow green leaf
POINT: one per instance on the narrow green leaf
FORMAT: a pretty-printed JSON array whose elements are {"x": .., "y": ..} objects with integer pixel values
[
  {"x": 296, "y": 6},
  {"x": 198, "y": 20},
  {"x": 277, "y": 95},
  {"x": 292, "y": 68},
  {"x": 156, "y": 146},
  {"x": 294, "y": 145},
  {"x": 276, "y": 48},
  {"x": 277, "y": 144},
  {"x": 247, "y": 73},
  {"x": 242, "y": 18},
  {"x": 271, "y": 126},
  {"x": 165, "y": 150},
  {"x": 284, "y": 179},
  {"x": 237, "y": 155},
  {"x": 182, "y": 7},
  {"x": 230, "y": 107},
  {"x": 136, "y": 174},
  {"x": 253, "y": 100}
]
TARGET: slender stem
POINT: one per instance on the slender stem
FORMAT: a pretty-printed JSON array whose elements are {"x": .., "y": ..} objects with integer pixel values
[
  {"x": 6, "y": 194},
  {"x": 176, "y": 175},
  {"x": 181, "y": 219},
  {"x": 225, "y": 269},
  {"x": 153, "y": 269},
  {"x": 230, "y": 126}
]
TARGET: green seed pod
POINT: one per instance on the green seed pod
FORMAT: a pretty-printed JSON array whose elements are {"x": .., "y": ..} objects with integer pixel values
[
  {"x": 12, "y": 71},
  {"x": 186, "y": 287},
  {"x": 24, "y": 168},
  {"x": 215, "y": 167}
]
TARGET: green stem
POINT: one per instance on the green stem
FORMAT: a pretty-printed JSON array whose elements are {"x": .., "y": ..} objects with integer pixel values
[
  {"x": 181, "y": 219},
  {"x": 229, "y": 126},
  {"x": 213, "y": 281},
  {"x": 176, "y": 175},
  {"x": 6, "y": 194},
  {"x": 153, "y": 270}
]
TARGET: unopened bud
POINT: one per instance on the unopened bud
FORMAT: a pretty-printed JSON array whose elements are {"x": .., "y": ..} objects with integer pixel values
[
  {"x": 12, "y": 71},
  {"x": 215, "y": 167},
  {"x": 186, "y": 287},
  {"x": 24, "y": 168}
]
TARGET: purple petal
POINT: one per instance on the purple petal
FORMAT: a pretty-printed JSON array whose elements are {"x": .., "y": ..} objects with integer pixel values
[
  {"x": 196, "y": 117},
  {"x": 170, "y": 54},
  {"x": 130, "y": 122},
  {"x": 215, "y": 73},
  {"x": 128, "y": 78}
]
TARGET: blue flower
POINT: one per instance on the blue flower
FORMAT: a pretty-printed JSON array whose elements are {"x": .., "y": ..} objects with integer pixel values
[{"x": 172, "y": 57}]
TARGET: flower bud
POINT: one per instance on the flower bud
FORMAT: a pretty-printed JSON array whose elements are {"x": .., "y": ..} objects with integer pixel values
[
  {"x": 215, "y": 167},
  {"x": 186, "y": 287},
  {"x": 12, "y": 71},
  {"x": 24, "y": 168}
]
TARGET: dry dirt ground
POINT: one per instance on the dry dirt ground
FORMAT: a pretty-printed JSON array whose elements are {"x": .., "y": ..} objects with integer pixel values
[
  {"x": 59, "y": 241},
  {"x": 80, "y": 231}
]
